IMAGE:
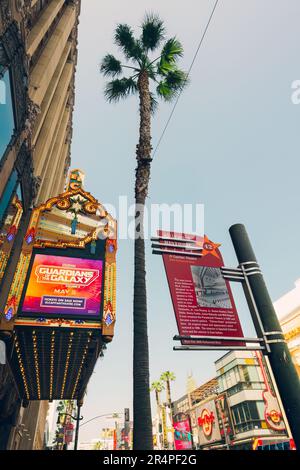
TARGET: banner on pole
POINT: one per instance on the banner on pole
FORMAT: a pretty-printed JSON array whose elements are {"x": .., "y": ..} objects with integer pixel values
[{"x": 201, "y": 297}]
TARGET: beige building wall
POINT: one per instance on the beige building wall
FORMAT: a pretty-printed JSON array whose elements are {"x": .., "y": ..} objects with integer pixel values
[
  {"x": 48, "y": 29},
  {"x": 51, "y": 89},
  {"x": 287, "y": 308}
]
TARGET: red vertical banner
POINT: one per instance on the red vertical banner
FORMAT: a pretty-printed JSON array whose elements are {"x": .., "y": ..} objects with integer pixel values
[
  {"x": 115, "y": 440},
  {"x": 201, "y": 297}
]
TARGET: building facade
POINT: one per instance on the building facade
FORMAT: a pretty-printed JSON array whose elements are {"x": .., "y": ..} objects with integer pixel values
[
  {"x": 38, "y": 56},
  {"x": 287, "y": 308},
  {"x": 254, "y": 410},
  {"x": 29, "y": 432},
  {"x": 237, "y": 407}
]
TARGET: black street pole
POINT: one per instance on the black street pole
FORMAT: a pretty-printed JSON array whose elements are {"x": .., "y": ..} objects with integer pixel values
[
  {"x": 284, "y": 371},
  {"x": 78, "y": 419}
]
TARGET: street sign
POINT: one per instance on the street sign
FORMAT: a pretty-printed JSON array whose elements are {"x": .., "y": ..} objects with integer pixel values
[{"x": 202, "y": 298}]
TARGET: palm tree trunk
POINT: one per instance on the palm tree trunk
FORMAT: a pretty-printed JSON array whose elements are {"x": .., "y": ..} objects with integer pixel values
[
  {"x": 169, "y": 393},
  {"x": 169, "y": 401},
  {"x": 157, "y": 399},
  {"x": 142, "y": 421}
]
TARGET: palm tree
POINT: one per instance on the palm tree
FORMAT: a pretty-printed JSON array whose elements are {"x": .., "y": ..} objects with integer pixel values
[
  {"x": 157, "y": 387},
  {"x": 168, "y": 377},
  {"x": 162, "y": 71}
]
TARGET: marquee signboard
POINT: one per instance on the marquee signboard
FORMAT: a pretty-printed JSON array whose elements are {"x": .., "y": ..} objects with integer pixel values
[
  {"x": 61, "y": 303},
  {"x": 61, "y": 284},
  {"x": 202, "y": 298}
]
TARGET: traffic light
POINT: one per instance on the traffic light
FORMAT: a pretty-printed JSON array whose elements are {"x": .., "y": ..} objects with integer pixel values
[{"x": 126, "y": 414}]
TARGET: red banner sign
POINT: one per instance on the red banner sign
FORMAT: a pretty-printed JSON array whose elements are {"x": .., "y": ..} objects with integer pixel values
[{"x": 202, "y": 298}]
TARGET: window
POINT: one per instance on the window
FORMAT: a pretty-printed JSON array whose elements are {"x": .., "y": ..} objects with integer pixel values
[
  {"x": 245, "y": 386},
  {"x": 7, "y": 121},
  {"x": 8, "y": 192},
  {"x": 249, "y": 374},
  {"x": 229, "y": 378},
  {"x": 246, "y": 416},
  {"x": 261, "y": 409}
]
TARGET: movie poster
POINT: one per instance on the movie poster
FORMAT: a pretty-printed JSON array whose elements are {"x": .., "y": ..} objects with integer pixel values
[
  {"x": 63, "y": 285},
  {"x": 182, "y": 432}
]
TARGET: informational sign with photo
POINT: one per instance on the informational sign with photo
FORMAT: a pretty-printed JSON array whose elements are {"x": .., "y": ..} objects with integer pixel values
[
  {"x": 64, "y": 285},
  {"x": 202, "y": 298}
]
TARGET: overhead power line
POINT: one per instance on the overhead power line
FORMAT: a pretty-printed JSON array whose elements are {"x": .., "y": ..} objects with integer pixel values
[{"x": 187, "y": 76}]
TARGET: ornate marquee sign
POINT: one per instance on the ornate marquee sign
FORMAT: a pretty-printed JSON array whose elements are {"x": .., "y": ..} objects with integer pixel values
[
  {"x": 74, "y": 219},
  {"x": 61, "y": 305}
]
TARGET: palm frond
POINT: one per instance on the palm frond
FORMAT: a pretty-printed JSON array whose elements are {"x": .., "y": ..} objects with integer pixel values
[
  {"x": 170, "y": 53},
  {"x": 176, "y": 79},
  {"x": 110, "y": 66},
  {"x": 120, "y": 88},
  {"x": 152, "y": 31},
  {"x": 167, "y": 375},
  {"x": 157, "y": 386},
  {"x": 163, "y": 91},
  {"x": 154, "y": 103},
  {"x": 172, "y": 84},
  {"x": 164, "y": 67},
  {"x": 125, "y": 40}
]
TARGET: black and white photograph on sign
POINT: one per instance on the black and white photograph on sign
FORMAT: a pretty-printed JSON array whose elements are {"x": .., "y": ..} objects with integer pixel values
[{"x": 210, "y": 287}]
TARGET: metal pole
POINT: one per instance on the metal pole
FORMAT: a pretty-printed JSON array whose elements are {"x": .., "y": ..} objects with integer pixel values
[
  {"x": 284, "y": 371},
  {"x": 77, "y": 426}
]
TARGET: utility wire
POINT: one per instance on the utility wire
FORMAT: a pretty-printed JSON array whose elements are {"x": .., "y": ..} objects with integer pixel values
[{"x": 187, "y": 76}]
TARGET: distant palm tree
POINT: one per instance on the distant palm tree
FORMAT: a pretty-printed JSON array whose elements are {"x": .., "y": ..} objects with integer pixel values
[
  {"x": 168, "y": 377},
  {"x": 157, "y": 387},
  {"x": 161, "y": 70}
]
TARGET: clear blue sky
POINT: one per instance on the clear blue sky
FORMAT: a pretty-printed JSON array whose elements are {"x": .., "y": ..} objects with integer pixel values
[{"x": 233, "y": 145}]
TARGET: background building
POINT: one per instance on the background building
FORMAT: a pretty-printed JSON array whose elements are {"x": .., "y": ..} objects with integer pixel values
[
  {"x": 288, "y": 312},
  {"x": 237, "y": 407},
  {"x": 253, "y": 406},
  {"x": 29, "y": 432},
  {"x": 38, "y": 55}
]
